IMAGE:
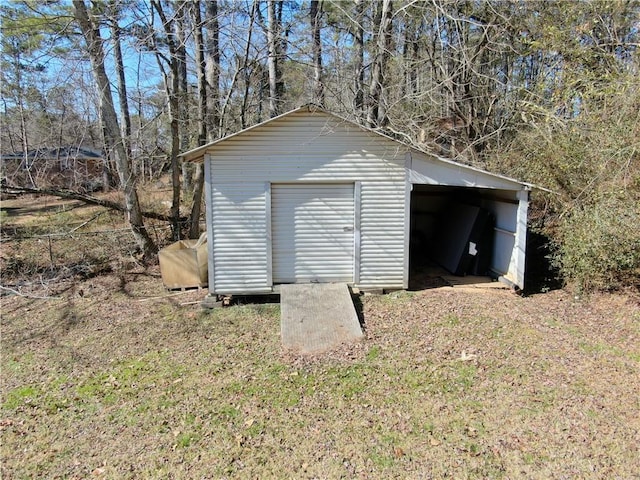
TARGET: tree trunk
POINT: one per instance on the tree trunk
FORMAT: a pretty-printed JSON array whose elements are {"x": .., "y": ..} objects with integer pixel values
[
  {"x": 112, "y": 138},
  {"x": 358, "y": 102},
  {"x": 315, "y": 14},
  {"x": 205, "y": 118},
  {"x": 187, "y": 177},
  {"x": 377, "y": 112},
  {"x": 200, "y": 71},
  {"x": 24, "y": 139},
  {"x": 125, "y": 117},
  {"x": 75, "y": 195},
  {"x": 245, "y": 66},
  {"x": 213, "y": 119},
  {"x": 273, "y": 60},
  {"x": 410, "y": 52},
  {"x": 172, "y": 88},
  {"x": 180, "y": 45},
  {"x": 194, "y": 217}
]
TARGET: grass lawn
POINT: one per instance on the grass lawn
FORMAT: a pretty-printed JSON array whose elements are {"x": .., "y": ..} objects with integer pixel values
[
  {"x": 112, "y": 377},
  {"x": 451, "y": 383}
]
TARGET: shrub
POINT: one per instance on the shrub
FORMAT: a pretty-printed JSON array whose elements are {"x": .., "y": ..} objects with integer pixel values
[
  {"x": 591, "y": 161},
  {"x": 600, "y": 244}
]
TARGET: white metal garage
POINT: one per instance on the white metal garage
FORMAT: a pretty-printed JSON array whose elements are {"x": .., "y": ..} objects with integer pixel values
[{"x": 311, "y": 197}]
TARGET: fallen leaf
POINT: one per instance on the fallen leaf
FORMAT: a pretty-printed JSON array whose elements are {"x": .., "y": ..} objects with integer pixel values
[
  {"x": 465, "y": 357},
  {"x": 7, "y": 422}
]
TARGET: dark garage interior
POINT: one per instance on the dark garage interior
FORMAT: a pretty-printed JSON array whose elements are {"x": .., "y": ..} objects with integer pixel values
[{"x": 451, "y": 229}]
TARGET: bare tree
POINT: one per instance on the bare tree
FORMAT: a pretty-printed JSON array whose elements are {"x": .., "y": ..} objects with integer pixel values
[
  {"x": 315, "y": 15},
  {"x": 207, "y": 107},
  {"x": 377, "y": 108},
  {"x": 173, "y": 87},
  {"x": 359, "y": 62},
  {"x": 274, "y": 41},
  {"x": 111, "y": 129},
  {"x": 213, "y": 118},
  {"x": 123, "y": 100},
  {"x": 245, "y": 66}
]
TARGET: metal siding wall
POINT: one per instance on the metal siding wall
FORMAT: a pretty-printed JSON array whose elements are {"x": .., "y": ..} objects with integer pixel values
[
  {"x": 510, "y": 236},
  {"x": 313, "y": 232},
  {"x": 382, "y": 234},
  {"x": 426, "y": 170},
  {"x": 521, "y": 238},
  {"x": 503, "y": 259},
  {"x": 307, "y": 147},
  {"x": 239, "y": 237},
  {"x": 504, "y": 234},
  {"x": 208, "y": 189}
]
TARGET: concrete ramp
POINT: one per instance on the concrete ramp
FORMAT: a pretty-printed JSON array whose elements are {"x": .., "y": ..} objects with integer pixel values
[{"x": 317, "y": 317}]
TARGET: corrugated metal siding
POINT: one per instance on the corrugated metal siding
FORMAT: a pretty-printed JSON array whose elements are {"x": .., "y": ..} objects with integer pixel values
[
  {"x": 239, "y": 237},
  {"x": 427, "y": 170},
  {"x": 510, "y": 234},
  {"x": 505, "y": 213},
  {"x": 312, "y": 226},
  {"x": 307, "y": 147},
  {"x": 382, "y": 234}
]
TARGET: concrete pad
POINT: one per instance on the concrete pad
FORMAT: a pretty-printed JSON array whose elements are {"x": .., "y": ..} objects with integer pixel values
[{"x": 317, "y": 317}]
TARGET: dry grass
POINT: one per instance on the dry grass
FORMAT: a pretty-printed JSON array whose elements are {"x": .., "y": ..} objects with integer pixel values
[
  {"x": 448, "y": 383},
  {"x": 107, "y": 381}
]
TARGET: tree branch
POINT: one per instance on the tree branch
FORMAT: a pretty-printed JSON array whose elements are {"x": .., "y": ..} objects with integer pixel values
[
  {"x": 26, "y": 295},
  {"x": 88, "y": 199}
]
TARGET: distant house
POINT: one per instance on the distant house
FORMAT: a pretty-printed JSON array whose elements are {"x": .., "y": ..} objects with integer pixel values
[
  {"x": 67, "y": 167},
  {"x": 311, "y": 197}
]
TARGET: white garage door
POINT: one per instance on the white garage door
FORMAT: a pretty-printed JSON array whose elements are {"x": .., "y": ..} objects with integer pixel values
[{"x": 312, "y": 228}]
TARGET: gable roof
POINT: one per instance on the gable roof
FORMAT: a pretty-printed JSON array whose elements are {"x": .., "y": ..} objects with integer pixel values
[{"x": 197, "y": 154}]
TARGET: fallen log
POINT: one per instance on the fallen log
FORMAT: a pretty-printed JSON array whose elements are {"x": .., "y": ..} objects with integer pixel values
[{"x": 82, "y": 197}]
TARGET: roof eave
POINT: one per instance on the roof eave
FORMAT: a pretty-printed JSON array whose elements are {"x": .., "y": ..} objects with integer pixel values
[{"x": 197, "y": 154}]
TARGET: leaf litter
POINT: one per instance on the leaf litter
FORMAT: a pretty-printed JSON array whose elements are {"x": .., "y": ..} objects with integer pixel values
[{"x": 447, "y": 383}]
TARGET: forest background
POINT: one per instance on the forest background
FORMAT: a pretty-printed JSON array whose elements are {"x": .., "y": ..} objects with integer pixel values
[{"x": 546, "y": 92}]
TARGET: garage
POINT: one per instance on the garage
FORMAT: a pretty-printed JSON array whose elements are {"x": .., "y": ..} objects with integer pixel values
[
  {"x": 311, "y": 197},
  {"x": 312, "y": 228}
]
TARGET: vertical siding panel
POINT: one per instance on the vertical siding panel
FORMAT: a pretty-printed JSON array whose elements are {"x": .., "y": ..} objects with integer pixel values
[
  {"x": 269, "y": 239},
  {"x": 521, "y": 238},
  {"x": 382, "y": 228},
  {"x": 357, "y": 210},
  {"x": 239, "y": 237},
  {"x": 208, "y": 195},
  {"x": 407, "y": 220}
]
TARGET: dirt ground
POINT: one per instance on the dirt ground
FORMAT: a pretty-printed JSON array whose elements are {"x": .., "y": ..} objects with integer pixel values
[
  {"x": 115, "y": 377},
  {"x": 105, "y": 374}
]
